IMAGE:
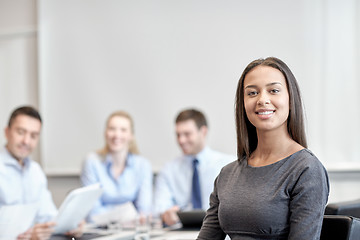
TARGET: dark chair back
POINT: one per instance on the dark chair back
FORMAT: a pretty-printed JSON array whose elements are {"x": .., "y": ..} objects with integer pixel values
[
  {"x": 349, "y": 208},
  {"x": 337, "y": 227}
]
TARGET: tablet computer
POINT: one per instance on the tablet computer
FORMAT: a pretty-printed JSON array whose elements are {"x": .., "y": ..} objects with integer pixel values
[
  {"x": 76, "y": 207},
  {"x": 191, "y": 219}
]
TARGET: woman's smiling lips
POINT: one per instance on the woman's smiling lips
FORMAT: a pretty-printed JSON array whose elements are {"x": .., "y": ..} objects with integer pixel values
[{"x": 265, "y": 113}]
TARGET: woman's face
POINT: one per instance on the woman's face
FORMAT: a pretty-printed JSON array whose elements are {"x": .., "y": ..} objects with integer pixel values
[
  {"x": 266, "y": 98},
  {"x": 118, "y": 134}
]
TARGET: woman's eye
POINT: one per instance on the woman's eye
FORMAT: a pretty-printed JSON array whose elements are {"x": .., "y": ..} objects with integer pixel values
[
  {"x": 252, "y": 93},
  {"x": 275, "y": 91}
]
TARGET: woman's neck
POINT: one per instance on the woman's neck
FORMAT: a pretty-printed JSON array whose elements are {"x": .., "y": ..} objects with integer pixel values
[
  {"x": 119, "y": 157},
  {"x": 273, "y": 146},
  {"x": 119, "y": 162}
]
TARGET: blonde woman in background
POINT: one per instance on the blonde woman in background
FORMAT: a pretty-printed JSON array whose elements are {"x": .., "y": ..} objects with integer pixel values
[{"x": 124, "y": 175}]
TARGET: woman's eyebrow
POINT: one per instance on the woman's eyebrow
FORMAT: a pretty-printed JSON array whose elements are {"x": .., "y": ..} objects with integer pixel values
[
  {"x": 269, "y": 84},
  {"x": 273, "y": 83},
  {"x": 250, "y": 86}
]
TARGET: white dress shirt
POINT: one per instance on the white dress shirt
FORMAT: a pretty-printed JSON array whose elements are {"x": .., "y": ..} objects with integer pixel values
[
  {"x": 174, "y": 181},
  {"x": 25, "y": 184}
]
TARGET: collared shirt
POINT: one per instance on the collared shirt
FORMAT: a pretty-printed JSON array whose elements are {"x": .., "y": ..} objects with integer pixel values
[
  {"x": 134, "y": 184},
  {"x": 25, "y": 184},
  {"x": 173, "y": 184}
]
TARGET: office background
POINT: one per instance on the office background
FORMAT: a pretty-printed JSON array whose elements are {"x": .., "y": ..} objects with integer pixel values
[{"x": 80, "y": 60}]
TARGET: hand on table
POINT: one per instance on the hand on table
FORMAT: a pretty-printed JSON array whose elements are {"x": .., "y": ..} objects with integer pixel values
[
  {"x": 170, "y": 216},
  {"x": 78, "y": 232},
  {"x": 41, "y": 231}
]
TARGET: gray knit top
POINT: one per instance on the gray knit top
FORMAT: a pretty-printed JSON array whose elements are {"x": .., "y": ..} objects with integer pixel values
[{"x": 283, "y": 200}]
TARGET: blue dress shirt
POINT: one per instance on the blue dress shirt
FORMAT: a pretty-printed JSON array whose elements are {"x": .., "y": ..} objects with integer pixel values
[
  {"x": 23, "y": 185},
  {"x": 133, "y": 185},
  {"x": 174, "y": 183}
]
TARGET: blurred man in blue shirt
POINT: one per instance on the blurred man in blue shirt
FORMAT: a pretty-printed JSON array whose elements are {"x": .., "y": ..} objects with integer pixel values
[
  {"x": 21, "y": 179},
  {"x": 187, "y": 182}
]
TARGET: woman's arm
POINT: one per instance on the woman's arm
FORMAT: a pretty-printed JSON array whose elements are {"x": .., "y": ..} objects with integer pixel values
[
  {"x": 308, "y": 200},
  {"x": 211, "y": 227},
  {"x": 89, "y": 175},
  {"x": 143, "y": 201}
]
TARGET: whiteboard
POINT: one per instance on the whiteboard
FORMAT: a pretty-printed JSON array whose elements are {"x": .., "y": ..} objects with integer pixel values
[{"x": 155, "y": 58}]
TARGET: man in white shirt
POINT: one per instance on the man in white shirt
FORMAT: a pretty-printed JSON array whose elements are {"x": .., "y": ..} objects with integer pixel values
[
  {"x": 187, "y": 182},
  {"x": 21, "y": 179}
]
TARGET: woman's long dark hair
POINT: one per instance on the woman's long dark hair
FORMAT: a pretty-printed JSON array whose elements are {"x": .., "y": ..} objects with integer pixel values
[{"x": 246, "y": 132}]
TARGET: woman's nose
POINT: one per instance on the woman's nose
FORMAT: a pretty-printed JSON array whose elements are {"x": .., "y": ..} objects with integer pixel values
[{"x": 264, "y": 100}]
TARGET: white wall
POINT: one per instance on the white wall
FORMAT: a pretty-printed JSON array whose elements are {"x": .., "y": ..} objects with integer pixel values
[
  {"x": 18, "y": 58},
  {"x": 154, "y": 58}
]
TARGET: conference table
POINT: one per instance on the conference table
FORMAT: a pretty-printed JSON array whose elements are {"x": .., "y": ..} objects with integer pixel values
[
  {"x": 161, "y": 234},
  {"x": 166, "y": 235}
]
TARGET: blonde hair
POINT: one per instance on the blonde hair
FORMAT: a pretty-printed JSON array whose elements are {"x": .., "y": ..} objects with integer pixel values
[{"x": 132, "y": 146}]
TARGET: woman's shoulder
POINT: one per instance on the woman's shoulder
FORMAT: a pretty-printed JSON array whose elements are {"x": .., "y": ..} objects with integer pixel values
[
  {"x": 140, "y": 160},
  {"x": 307, "y": 170},
  {"x": 230, "y": 167},
  {"x": 305, "y": 157},
  {"x": 306, "y": 160},
  {"x": 93, "y": 158}
]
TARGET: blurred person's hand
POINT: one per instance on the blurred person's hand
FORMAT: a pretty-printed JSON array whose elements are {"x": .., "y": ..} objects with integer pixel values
[
  {"x": 170, "y": 216},
  {"x": 26, "y": 235},
  {"x": 78, "y": 232},
  {"x": 41, "y": 231}
]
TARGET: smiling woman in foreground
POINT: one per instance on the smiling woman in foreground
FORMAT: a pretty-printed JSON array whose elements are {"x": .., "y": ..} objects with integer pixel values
[{"x": 277, "y": 189}]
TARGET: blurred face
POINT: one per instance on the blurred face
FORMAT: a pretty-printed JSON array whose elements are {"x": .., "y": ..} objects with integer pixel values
[
  {"x": 190, "y": 138},
  {"x": 266, "y": 98},
  {"x": 118, "y": 134},
  {"x": 22, "y": 136}
]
